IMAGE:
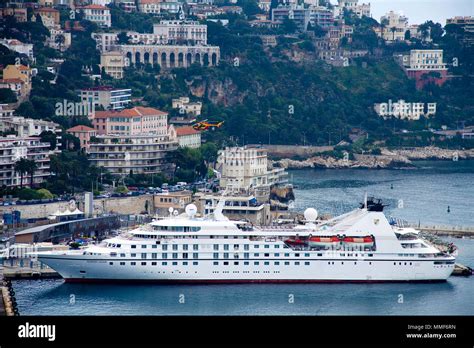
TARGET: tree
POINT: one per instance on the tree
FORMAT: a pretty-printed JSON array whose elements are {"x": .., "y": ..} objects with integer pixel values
[
  {"x": 123, "y": 38},
  {"x": 32, "y": 168},
  {"x": 407, "y": 35},
  {"x": 393, "y": 30},
  {"x": 49, "y": 137},
  {"x": 7, "y": 96},
  {"x": 21, "y": 167}
]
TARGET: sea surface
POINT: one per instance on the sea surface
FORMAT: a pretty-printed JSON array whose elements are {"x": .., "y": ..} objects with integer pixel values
[{"x": 426, "y": 194}]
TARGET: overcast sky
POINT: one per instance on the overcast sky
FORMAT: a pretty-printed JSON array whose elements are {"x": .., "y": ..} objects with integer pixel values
[{"x": 419, "y": 11}]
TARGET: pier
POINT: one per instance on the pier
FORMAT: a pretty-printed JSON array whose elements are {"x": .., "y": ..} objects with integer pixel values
[{"x": 451, "y": 231}]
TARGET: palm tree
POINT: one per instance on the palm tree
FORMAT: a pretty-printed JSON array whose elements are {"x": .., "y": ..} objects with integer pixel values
[
  {"x": 393, "y": 30},
  {"x": 32, "y": 167},
  {"x": 21, "y": 167}
]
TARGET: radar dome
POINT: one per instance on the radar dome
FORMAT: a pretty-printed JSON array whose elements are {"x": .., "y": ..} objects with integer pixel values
[
  {"x": 311, "y": 214},
  {"x": 191, "y": 210}
]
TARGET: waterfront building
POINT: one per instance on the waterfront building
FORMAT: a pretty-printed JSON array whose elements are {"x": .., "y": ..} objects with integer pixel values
[
  {"x": 246, "y": 169},
  {"x": 134, "y": 121},
  {"x": 106, "y": 96},
  {"x": 404, "y": 110},
  {"x": 137, "y": 154},
  {"x": 97, "y": 14},
  {"x": 264, "y": 5},
  {"x": 426, "y": 66},
  {"x": 113, "y": 64},
  {"x": 188, "y": 137},
  {"x": 12, "y": 149},
  {"x": 18, "y": 47},
  {"x": 84, "y": 134},
  {"x": 187, "y": 107}
]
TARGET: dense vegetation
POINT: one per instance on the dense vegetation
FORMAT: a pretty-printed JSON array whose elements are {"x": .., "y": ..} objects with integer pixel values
[{"x": 262, "y": 93}]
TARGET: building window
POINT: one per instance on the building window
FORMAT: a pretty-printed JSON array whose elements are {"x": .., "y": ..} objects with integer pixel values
[
  {"x": 164, "y": 263},
  {"x": 133, "y": 255},
  {"x": 216, "y": 263},
  {"x": 154, "y": 255},
  {"x": 196, "y": 247},
  {"x": 266, "y": 263},
  {"x": 195, "y": 256},
  {"x": 306, "y": 263},
  {"x": 134, "y": 246},
  {"x": 195, "y": 263},
  {"x": 122, "y": 263},
  {"x": 175, "y": 246},
  {"x": 256, "y": 263},
  {"x": 175, "y": 255},
  {"x": 246, "y": 247},
  {"x": 143, "y": 255},
  {"x": 164, "y": 256},
  {"x": 216, "y": 246},
  {"x": 143, "y": 263},
  {"x": 216, "y": 255},
  {"x": 185, "y": 247},
  {"x": 226, "y": 255},
  {"x": 133, "y": 263},
  {"x": 226, "y": 246}
]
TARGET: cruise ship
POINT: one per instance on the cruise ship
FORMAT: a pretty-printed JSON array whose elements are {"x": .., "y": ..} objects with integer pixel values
[{"x": 359, "y": 246}]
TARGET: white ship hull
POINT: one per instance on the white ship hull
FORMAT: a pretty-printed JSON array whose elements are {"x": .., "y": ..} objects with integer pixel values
[
  {"x": 324, "y": 270},
  {"x": 221, "y": 251}
]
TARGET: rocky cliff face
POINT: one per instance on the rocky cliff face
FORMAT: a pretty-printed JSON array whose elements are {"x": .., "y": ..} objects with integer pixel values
[{"x": 223, "y": 92}]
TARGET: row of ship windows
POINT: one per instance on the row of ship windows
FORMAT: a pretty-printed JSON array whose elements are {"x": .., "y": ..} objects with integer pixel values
[
  {"x": 225, "y": 255},
  {"x": 215, "y": 263},
  {"x": 194, "y": 246}
]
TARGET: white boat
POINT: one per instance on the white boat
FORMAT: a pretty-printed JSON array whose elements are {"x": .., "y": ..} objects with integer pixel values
[{"x": 214, "y": 249}]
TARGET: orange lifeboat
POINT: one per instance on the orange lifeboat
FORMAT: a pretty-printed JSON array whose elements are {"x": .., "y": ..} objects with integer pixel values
[
  {"x": 364, "y": 242},
  {"x": 295, "y": 241},
  {"x": 323, "y": 241}
]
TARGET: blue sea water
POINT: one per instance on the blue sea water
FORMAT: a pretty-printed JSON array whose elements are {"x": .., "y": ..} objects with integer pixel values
[{"x": 426, "y": 194}]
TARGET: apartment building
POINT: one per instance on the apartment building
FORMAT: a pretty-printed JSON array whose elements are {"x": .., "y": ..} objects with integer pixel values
[
  {"x": 137, "y": 154},
  {"x": 12, "y": 149},
  {"x": 134, "y": 121},
  {"x": 113, "y": 64},
  {"x": 186, "y": 107},
  {"x": 178, "y": 32},
  {"x": 393, "y": 27},
  {"x": 97, "y": 14},
  {"x": 18, "y": 47},
  {"x": 84, "y": 134},
  {"x": 188, "y": 137},
  {"x": 107, "y": 97},
  {"x": 28, "y": 127},
  {"x": 426, "y": 66}
]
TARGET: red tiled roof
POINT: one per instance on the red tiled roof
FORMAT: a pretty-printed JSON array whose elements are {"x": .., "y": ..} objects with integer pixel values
[
  {"x": 81, "y": 128},
  {"x": 187, "y": 130},
  {"x": 150, "y": 111},
  {"x": 93, "y": 7},
  {"x": 133, "y": 112},
  {"x": 47, "y": 9}
]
